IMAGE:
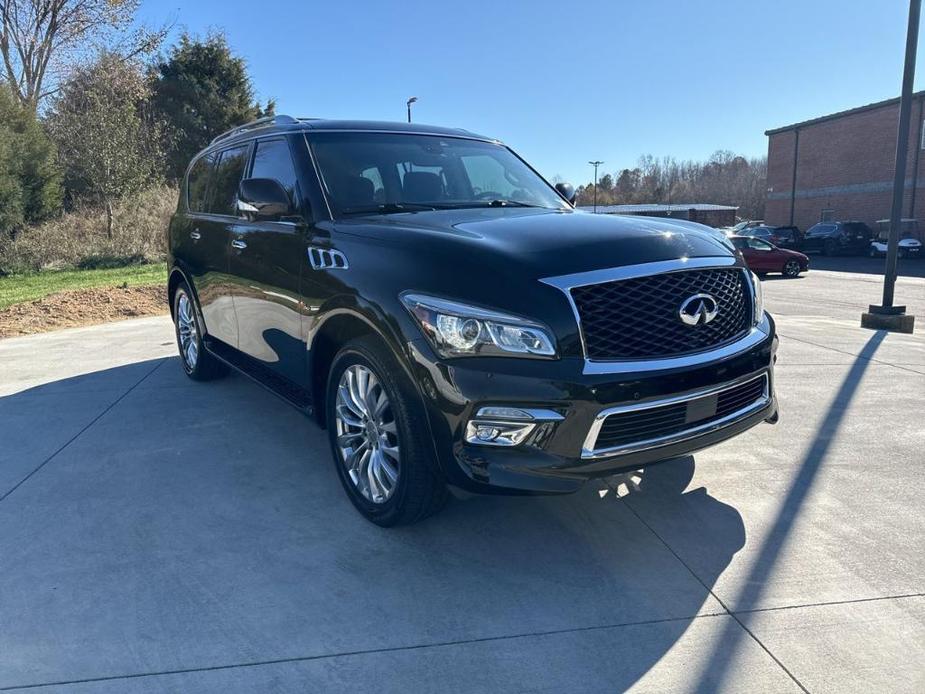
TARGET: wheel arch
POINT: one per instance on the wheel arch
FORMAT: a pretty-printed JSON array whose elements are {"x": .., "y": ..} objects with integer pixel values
[{"x": 337, "y": 328}]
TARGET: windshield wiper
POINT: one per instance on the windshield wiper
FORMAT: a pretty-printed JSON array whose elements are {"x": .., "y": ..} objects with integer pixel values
[
  {"x": 510, "y": 203},
  {"x": 389, "y": 208}
]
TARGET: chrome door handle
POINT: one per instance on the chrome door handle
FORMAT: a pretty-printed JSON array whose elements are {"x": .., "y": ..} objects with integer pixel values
[
  {"x": 239, "y": 244},
  {"x": 195, "y": 235}
]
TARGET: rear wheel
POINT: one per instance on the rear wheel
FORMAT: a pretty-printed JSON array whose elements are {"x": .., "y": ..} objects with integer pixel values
[
  {"x": 197, "y": 362},
  {"x": 791, "y": 268},
  {"x": 384, "y": 458}
]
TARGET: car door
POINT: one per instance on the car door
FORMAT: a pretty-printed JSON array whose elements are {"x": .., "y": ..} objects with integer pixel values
[
  {"x": 202, "y": 250},
  {"x": 267, "y": 259},
  {"x": 762, "y": 256},
  {"x": 816, "y": 236}
]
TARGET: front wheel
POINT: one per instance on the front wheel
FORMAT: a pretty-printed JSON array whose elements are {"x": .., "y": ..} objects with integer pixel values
[
  {"x": 384, "y": 458},
  {"x": 829, "y": 247},
  {"x": 791, "y": 269}
]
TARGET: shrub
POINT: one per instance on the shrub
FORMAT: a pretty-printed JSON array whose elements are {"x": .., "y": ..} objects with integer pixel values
[
  {"x": 30, "y": 184},
  {"x": 78, "y": 239}
]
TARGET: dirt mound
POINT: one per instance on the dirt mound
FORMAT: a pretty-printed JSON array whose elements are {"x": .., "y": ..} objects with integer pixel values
[{"x": 82, "y": 307}]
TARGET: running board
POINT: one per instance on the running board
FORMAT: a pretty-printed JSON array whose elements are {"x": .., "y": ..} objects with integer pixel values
[{"x": 295, "y": 395}]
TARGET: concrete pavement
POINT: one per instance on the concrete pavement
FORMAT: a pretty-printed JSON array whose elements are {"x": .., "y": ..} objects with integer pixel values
[{"x": 162, "y": 535}]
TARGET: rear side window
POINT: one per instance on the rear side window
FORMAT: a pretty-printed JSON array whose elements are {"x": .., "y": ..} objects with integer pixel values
[
  {"x": 197, "y": 185},
  {"x": 273, "y": 160},
  {"x": 228, "y": 172},
  {"x": 820, "y": 230}
]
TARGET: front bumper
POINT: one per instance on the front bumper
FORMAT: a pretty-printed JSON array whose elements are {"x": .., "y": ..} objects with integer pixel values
[{"x": 559, "y": 458}]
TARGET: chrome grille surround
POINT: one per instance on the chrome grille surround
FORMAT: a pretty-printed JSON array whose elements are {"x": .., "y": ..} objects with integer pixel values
[
  {"x": 723, "y": 416},
  {"x": 748, "y": 339}
]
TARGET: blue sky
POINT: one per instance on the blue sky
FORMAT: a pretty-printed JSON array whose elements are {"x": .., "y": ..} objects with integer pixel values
[{"x": 565, "y": 82}]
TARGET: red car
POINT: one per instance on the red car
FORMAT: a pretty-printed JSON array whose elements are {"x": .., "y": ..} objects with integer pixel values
[{"x": 763, "y": 257}]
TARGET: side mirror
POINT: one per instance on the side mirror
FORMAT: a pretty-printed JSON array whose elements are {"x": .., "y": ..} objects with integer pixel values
[
  {"x": 567, "y": 191},
  {"x": 264, "y": 198}
]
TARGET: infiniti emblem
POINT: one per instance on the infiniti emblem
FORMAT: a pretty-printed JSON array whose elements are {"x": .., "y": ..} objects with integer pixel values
[{"x": 699, "y": 309}]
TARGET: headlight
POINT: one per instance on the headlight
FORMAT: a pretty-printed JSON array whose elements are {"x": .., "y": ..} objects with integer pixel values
[
  {"x": 758, "y": 293},
  {"x": 458, "y": 330}
]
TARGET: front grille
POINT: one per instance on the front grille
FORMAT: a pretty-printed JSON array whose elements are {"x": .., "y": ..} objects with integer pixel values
[
  {"x": 636, "y": 427},
  {"x": 639, "y": 318}
]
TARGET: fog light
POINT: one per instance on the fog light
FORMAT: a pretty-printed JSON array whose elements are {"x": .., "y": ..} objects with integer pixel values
[
  {"x": 508, "y": 426},
  {"x": 485, "y": 432}
]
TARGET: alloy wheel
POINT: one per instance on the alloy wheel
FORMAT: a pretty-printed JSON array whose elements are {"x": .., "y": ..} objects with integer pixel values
[
  {"x": 367, "y": 434},
  {"x": 792, "y": 268},
  {"x": 187, "y": 333}
]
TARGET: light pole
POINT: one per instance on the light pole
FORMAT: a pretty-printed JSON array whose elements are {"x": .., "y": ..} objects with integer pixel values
[
  {"x": 887, "y": 316},
  {"x": 408, "y": 104},
  {"x": 595, "y": 164}
]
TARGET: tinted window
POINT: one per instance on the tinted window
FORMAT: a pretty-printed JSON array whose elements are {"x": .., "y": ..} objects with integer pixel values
[
  {"x": 198, "y": 183},
  {"x": 820, "y": 230},
  {"x": 856, "y": 229},
  {"x": 273, "y": 160},
  {"x": 228, "y": 172},
  {"x": 424, "y": 171},
  {"x": 739, "y": 243}
]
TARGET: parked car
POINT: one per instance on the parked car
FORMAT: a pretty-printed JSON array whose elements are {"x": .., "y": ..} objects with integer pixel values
[
  {"x": 742, "y": 226},
  {"x": 450, "y": 318},
  {"x": 909, "y": 247},
  {"x": 783, "y": 237},
  {"x": 834, "y": 238},
  {"x": 763, "y": 257}
]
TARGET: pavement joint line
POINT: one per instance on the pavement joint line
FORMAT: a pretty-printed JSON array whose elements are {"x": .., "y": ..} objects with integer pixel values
[
  {"x": 855, "y": 356},
  {"x": 80, "y": 433},
  {"x": 368, "y": 651},
  {"x": 904, "y": 596},
  {"x": 720, "y": 601}
]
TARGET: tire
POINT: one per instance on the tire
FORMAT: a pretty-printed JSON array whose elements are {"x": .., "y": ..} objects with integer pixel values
[
  {"x": 873, "y": 252},
  {"x": 829, "y": 247},
  {"x": 198, "y": 363},
  {"x": 396, "y": 480},
  {"x": 791, "y": 269}
]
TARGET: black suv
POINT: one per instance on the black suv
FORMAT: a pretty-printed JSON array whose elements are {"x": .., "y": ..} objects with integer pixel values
[
  {"x": 834, "y": 238},
  {"x": 450, "y": 318}
]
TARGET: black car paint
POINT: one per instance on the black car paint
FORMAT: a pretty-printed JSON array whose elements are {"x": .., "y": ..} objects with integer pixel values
[
  {"x": 494, "y": 257},
  {"x": 851, "y": 238}
]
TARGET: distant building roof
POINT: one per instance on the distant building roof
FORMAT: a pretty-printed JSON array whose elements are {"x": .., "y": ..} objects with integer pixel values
[
  {"x": 642, "y": 209},
  {"x": 839, "y": 114}
]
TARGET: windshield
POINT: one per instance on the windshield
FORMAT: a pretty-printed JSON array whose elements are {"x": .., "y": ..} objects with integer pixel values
[{"x": 390, "y": 172}]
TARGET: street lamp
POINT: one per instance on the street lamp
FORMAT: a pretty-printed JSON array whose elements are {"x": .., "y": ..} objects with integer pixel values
[
  {"x": 595, "y": 164},
  {"x": 886, "y": 316},
  {"x": 408, "y": 104}
]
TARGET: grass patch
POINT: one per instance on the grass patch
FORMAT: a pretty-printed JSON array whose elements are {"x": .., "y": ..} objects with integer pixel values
[{"x": 15, "y": 289}]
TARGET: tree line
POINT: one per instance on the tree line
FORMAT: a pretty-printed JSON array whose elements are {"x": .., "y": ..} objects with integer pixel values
[
  {"x": 723, "y": 179},
  {"x": 93, "y": 110}
]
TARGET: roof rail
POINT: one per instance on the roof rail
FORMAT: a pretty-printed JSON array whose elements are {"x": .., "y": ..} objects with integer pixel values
[{"x": 254, "y": 125}]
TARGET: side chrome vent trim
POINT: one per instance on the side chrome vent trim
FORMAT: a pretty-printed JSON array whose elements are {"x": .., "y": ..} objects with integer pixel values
[{"x": 327, "y": 259}]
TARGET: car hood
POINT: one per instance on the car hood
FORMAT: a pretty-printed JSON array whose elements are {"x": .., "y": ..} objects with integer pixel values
[{"x": 542, "y": 242}]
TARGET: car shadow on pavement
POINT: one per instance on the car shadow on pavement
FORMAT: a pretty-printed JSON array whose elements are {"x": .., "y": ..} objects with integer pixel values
[
  {"x": 169, "y": 543},
  {"x": 906, "y": 267}
]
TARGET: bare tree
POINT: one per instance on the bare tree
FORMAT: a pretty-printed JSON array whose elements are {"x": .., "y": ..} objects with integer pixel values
[{"x": 40, "y": 39}]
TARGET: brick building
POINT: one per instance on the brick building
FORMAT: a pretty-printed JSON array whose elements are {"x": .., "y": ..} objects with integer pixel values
[{"x": 840, "y": 167}]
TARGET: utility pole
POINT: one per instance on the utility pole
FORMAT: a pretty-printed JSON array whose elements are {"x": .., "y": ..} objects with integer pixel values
[
  {"x": 595, "y": 164},
  {"x": 887, "y": 316},
  {"x": 408, "y": 104}
]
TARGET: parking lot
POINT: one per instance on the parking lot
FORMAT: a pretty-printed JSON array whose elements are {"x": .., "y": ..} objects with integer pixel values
[{"x": 163, "y": 535}]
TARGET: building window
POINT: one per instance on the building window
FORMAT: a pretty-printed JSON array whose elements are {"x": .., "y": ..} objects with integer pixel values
[{"x": 827, "y": 215}]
